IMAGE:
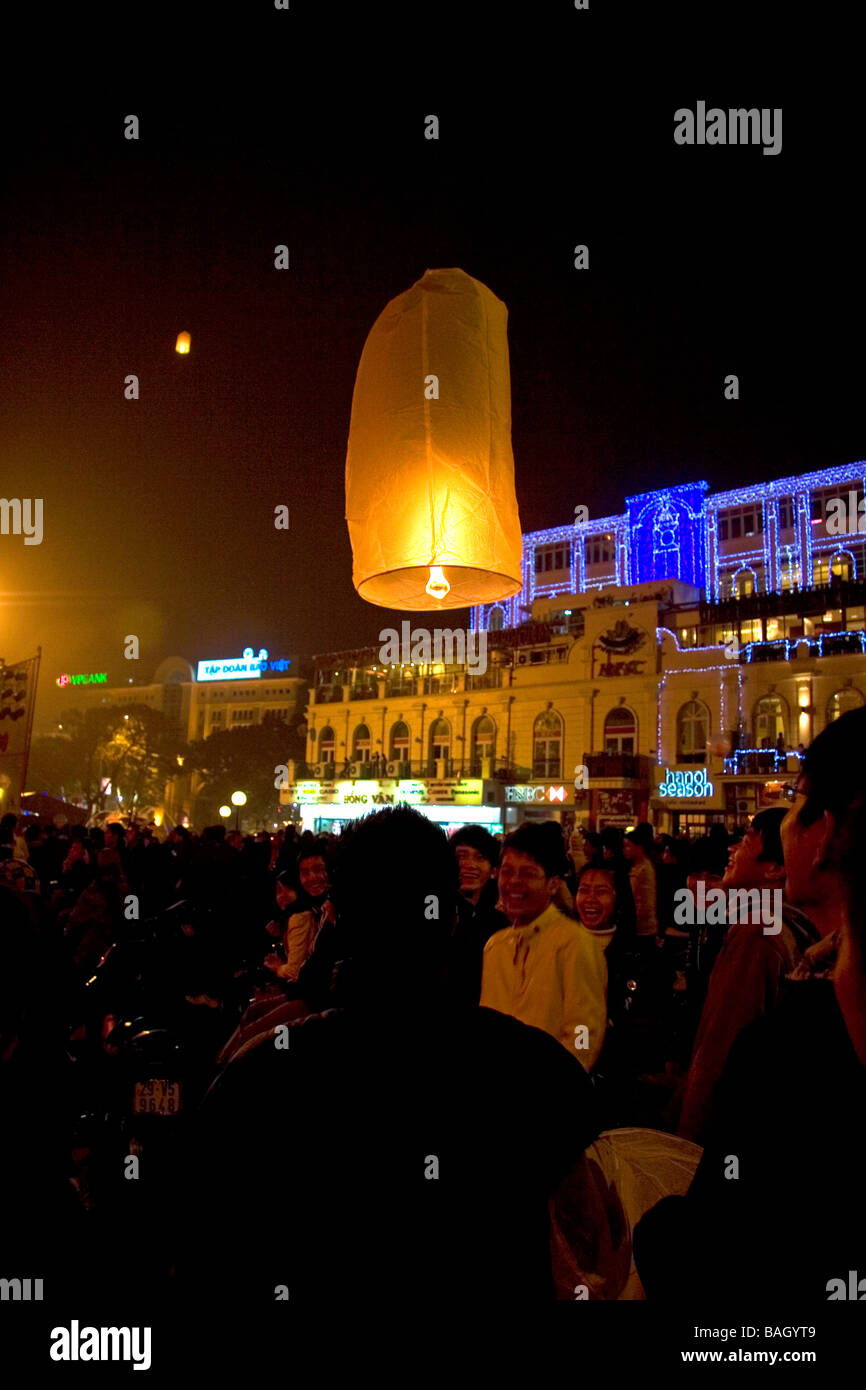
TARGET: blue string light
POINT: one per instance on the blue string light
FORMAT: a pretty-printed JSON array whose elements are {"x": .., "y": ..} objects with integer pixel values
[{"x": 672, "y": 533}]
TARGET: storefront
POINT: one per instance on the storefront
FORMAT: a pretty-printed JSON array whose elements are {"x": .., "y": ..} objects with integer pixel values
[
  {"x": 537, "y": 801},
  {"x": 451, "y": 802},
  {"x": 622, "y": 808},
  {"x": 685, "y": 801}
]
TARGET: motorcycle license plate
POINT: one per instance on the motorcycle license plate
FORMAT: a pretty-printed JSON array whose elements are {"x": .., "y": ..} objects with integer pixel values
[{"x": 156, "y": 1098}]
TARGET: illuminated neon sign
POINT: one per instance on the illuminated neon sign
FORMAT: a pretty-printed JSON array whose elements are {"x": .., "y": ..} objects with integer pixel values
[
  {"x": 246, "y": 667},
  {"x": 686, "y": 784},
  {"x": 89, "y": 678},
  {"x": 535, "y": 793}
]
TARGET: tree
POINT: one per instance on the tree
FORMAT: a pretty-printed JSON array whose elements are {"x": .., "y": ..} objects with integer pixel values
[
  {"x": 244, "y": 760},
  {"x": 108, "y": 758}
]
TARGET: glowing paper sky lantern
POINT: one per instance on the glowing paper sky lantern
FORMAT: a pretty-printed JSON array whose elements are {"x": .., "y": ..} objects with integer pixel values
[
  {"x": 430, "y": 500},
  {"x": 182, "y": 344}
]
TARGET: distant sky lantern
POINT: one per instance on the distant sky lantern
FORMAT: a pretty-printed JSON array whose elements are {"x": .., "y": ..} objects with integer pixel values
[
  {"x": 182, "y": 344},
  {"x": 430, "y": 500}
]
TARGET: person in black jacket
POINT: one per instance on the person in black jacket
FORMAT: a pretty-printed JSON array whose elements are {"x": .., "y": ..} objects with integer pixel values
[
  {"x": 752, "y": 1228},
  {"x": 415, "y": 1141},
  {"x": 477, "y": 854}
]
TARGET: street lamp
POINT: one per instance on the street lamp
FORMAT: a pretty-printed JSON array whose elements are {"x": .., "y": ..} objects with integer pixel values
[
  {"x": 239, "y": 799},
  {"x": 225, "y": 812}
]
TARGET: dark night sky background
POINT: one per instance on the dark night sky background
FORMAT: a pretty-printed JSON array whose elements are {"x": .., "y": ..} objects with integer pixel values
[{"x": 159, "y": 513}]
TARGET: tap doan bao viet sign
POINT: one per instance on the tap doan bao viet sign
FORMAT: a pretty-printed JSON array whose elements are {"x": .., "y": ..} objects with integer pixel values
[
  {"x": 686, "y": 789},
  {"x": 462, "y": 791}
]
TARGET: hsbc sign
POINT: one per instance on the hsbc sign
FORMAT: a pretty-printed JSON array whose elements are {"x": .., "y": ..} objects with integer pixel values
[{"x": 536, "y": 793}]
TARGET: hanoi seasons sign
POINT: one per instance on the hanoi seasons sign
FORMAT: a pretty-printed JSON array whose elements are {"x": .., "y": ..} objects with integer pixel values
[
  {"x": 245, "y": 667},
  {"x": 692, "y": 785},
  {"x": 619, "y": 641},
  {"x": 89, "y": 678}
]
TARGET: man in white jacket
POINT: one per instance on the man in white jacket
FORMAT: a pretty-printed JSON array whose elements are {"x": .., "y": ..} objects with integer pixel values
[{"x": 544, "y": 969}]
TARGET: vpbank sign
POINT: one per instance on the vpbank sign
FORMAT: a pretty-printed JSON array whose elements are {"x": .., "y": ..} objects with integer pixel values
[{"x": 246, "y": 667}]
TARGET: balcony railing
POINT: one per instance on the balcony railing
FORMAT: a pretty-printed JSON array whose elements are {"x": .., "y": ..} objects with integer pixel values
[
  {"x": 440, "y": 685},
  {"x": 491, "y": 680},
  {"x": 329, "y": 694},
  {"x": 363, "y": 692},
  {"x": 763, "y": 762},
  {"x": 785, "y": 648},
  {"x": 395, "y": 687}
]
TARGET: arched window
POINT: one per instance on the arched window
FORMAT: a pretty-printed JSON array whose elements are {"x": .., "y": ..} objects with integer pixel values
[
  {"x": 440, "y": 742},
  {"x": 693, "y": 727},
  {"x": 361, "y": 744},
  {"x": 547, "y": 745},
  {"x": 495, "y": 620},
  {"x": 842, "y": 701},
  {"x": 842, "y": 565},
  {"x": 327, "y": 745},
  {"x": 744, "y": 583},
  {"x": 483, "y": 742},
  {"x": 620, "y": 731},
  {"x": 771, "y": 720},
  {"x": 399, "y": 743}
]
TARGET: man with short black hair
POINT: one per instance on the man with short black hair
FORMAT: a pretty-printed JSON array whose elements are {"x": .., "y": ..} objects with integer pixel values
[
  {"x": 477, "y": 916},
  {"x": 545, "y": 969}
]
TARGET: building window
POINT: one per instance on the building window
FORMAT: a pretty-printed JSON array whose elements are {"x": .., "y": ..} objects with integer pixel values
[
  {"x": 243, "y": 716},
  {"x": 736, "y": 522},
  {"x": 547, "y": 745},
  {"x": 599, "y": 550},
  {"x": 483, "y": 741},
  {"x": 693, "y": 723},
  {"x": 327, "y": 745},
  {"x": 400, "y": 742},
  {"x": 620, "y": 731},
  {"x": 825, "y": 568},
  {"x": 552, "y": 557},
  {"x": 786, "y": 513},
  {"x": 216, "y": 716},
  {"x": 744, "y": 583},
  {"x": 361, "y": 744},
  {"x": 440, "y": 741},
  {"x": 842, "y": 702},
  {"x": 770, "y": 721},
  {"x": 495, "y": 620}
]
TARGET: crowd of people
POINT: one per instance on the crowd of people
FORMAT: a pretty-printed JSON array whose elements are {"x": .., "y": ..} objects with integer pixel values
[{"x": 409, "y": 1041}]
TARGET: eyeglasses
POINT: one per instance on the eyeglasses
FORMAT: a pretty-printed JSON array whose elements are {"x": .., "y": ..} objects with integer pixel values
[{"x": 791, "y": 790}]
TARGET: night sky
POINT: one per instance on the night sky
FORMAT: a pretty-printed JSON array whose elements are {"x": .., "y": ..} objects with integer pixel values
[{"x": 158, "y": 513}]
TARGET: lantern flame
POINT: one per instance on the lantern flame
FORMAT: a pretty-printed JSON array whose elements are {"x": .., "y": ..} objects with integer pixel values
[
  {"x": 437, "y": 585},
  {"x": 182, "y": 344}
]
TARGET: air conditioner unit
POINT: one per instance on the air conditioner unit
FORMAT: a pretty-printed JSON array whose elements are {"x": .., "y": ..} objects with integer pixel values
[
  {"x": 742, "y": 807},
  {"x": 522, "y": 659},
  {"x": 353, "y": 770},
  {"x": 317, "y": 770},
  {"x": 392, "y": 769}
]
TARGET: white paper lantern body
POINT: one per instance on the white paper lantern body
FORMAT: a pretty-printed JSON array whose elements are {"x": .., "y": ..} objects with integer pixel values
[{"x": 429, "y": 467}]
